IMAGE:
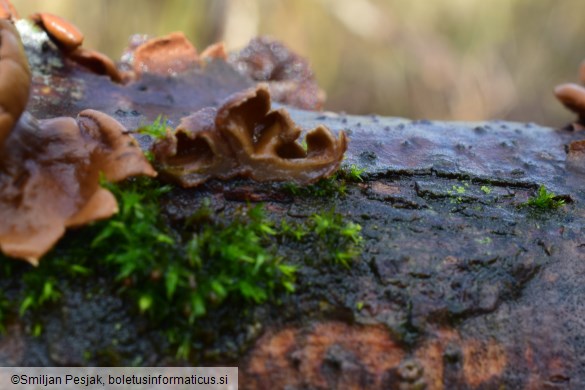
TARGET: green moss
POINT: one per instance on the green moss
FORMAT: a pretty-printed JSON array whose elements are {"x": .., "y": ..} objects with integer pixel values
[
  {"x": 175, "y": 277},
  {"x": 544, "y": 200},
  {"x": 295, "y": 231},
  {"x": 5, "y": 308},
  {"x": 172, "y": 279},
  {"x": 459, "y": 189},
  {"x": 42, "y": 286},
  {"x": 484, "y": 240},
  {"x": 175, "y": 280},
  {"x": 340, "y": 241},
  {"x": 237, "y": 259},
  {"x": 329, "y": 187},
  {"x": 157, "y": 129},
  {"x": 333, "y": 239},
  {"x": 336, "y": 185},
  {"x": 351, "y": 173},
  {"x": 38, "y": 292},
  {"x": 135, "y": 240}
]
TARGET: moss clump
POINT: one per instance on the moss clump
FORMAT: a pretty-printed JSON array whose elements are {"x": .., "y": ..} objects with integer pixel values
[
  {"x": 236, "y": 257},
  {"x": 157, "y": 129},
  {"x": 136, "y": 239},
  {"x": 333, "y": 186},
  {"x": 175, "y": 279},
  {"x": 486, "y": 190},
  {"x": 329, "y": 187},
  {"x": 176, "y": 276},
  {"x": 340, "y": 241},
  {"x": 171, "y": 279},
  {"x": 334, "y": 240},
  {"x": 352, "y": 173},
  {"x": 545, "y": 200},
  {"x": 5, "y": 308}
]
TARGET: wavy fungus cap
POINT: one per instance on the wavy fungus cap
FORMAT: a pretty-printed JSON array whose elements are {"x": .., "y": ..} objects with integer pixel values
[
  {"x": 573, "y": 97},
  {"x": 169, "y": 55},
  {"x": 69, "y": 39},
  {"x": 50, "y": 169},
  {"x": 14, "y": 79},
  {"x": 245, "y": 138},
  {"x": 289, "y": 76},
  {"x": 64, "y": 33},
  {"x": 165, "y": 55},
  {"x": 50, "y": 175},
  {"x": 195, "y": 151}
]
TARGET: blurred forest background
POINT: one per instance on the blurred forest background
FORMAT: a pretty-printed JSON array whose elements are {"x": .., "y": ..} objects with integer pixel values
[{"x": 442, "y": 59}]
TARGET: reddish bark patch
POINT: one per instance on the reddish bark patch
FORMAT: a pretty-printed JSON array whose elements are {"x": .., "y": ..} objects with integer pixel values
[{"x": 323, "y": 356}]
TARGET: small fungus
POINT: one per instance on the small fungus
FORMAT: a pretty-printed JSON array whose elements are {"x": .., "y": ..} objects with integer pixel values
[
  {"x": 215, "y": 51},
  {"x": 69, "y": 39},
  {"x": 64, "y": 34},
  {"x": 288, "y": 75},
  {"x": 573, "y": 97},
  {"x": 244, "y": 137},
  {"x": 166, "y": 55},
  {"x": 195, "y": 152},
  {"x": 50, "y": 169},
  {"x": 14, "y": 79},
  {"x": 97, "y": 62}
]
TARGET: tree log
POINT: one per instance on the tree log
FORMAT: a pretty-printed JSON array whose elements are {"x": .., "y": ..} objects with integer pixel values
[{"x": 459, "y": 285}]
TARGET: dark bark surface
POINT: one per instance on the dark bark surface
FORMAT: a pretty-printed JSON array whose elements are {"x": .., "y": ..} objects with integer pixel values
[
  {"x": 460, "y": 289},
  {"x": 458, "y": 285}
]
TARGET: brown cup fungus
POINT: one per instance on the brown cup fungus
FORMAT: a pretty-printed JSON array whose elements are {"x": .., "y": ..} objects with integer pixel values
[
  {"x": 171, "y": 54},
  {"x": 97, "y": 62},
  {"x": 573, "y": 97},
  {"x": 50, "y": 169},
  {"x": 243, "y": 137},
  {"x": 166, "y": 55},
  {"x": 14, "y": 79},
  {"x": 63, "y": 33},
  {"x": 214, "y": 51},
  {"x": 288, "y": 75},
  {"x": 69, "y": 39}
]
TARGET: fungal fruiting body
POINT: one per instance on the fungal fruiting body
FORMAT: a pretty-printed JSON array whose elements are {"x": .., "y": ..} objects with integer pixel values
[
  {"x": 244, "y": 137},
  {"x": 573, "y": 97},
  {"x": 288, "y": 75},
  {"x": 69, "y": 39},
  {"x": 50, "y": 169}
]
